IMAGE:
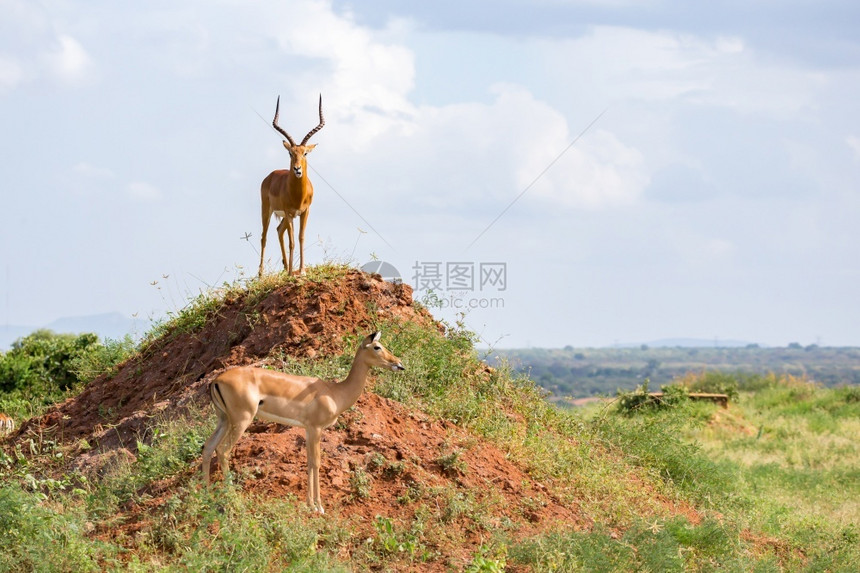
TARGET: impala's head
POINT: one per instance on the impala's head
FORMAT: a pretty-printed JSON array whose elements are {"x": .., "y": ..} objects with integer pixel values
[
  {"x": 298, "y": 157},
  {"x": 377, "y": 355},
  {"x": 298, "y": 153}
]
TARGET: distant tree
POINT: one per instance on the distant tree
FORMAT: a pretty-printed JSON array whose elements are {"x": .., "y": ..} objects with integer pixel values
[
  {"x": 643, "y": 347},
  {"x": 795, "y": 346},
  {"x": 650, "y": 368},
  {"x": 558, "y": 370}
]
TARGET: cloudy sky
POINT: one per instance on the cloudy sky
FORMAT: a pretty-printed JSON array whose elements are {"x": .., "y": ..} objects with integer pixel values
[{"x": 608, "y": 171}]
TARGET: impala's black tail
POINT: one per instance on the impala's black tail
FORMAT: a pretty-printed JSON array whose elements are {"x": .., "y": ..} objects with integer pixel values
[{"x": 217, "y": 397}]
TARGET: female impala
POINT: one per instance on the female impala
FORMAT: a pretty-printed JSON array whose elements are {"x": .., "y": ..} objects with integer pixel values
[
  {"x": 289, "y": 193},
  {"x": 240, "y": 394}
]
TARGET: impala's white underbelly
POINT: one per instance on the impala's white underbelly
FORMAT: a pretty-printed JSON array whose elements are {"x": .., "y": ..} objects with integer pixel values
[{"x": 279, "y": 419}]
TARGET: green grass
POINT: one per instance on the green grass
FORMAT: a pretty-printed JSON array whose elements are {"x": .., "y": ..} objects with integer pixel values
[
  {"x": 662, "y": 545},
  {"x": 793, "y": 446}
]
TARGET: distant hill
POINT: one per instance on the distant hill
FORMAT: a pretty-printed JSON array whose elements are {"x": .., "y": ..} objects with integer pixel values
[{"x": 112, "y": 325}]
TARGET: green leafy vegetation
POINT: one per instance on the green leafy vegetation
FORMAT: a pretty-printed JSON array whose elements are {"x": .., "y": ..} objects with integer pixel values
[{"x": 44, "y": 367}]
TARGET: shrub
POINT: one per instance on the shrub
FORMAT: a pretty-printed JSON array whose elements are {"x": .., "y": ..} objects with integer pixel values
[
  {"x": 43, "y": 358},
  {"x": 640, "y": 400},
  {"x": 43, "y": 367},
  {"x": 851, "y": 394},
  {"x": 713, "y": 382},
  {"x": 360, "y": 483}
]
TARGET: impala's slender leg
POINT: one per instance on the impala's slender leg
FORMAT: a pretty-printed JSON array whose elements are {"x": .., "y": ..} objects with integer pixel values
[
  {"x": 285, "y": 225},
  {"x": 313, "y": 446},
  {"x": 267, "y": 216},
  {"x": 213, "y": 442},
  {"x": 291, "y": 234},
  {"x": 303, "y": 219},
  {"x": 236, "y": 429}
]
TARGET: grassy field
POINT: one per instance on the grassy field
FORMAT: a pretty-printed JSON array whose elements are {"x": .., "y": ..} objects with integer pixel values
[
  {"x": 771, "y": 484},
  {"x": 796, "y": 449},
  {"x": 786, "y": 464}
]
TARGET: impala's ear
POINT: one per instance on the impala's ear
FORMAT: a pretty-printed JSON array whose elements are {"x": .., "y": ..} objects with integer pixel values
[
  {"x": 371, "y": 339},
  {"x": 309, "y": 148}
]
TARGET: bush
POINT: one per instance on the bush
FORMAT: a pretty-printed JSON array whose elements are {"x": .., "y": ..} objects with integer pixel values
[
  {"x": 713, "y": 382},
  {"x": 851, "y": 394},
  {"x": 640, "y": 399},
  {"x": 42, "y": 361},
  {"x": 41, "y": 368}
]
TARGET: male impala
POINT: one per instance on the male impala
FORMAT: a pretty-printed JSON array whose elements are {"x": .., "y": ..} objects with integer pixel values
[
  {"x": 288, "y": 193},
  {"x": 240, "y": 394}
]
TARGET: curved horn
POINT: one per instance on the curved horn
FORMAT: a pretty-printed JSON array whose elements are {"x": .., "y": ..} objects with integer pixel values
[
  {"x": 277, "y": 127},
  {"x": 317, "y": 128}
]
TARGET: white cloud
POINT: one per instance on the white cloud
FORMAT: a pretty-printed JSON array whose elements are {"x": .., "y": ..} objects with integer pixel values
[
  {"x": 69, "y": 61},
  {"x": 448, "y": 157},
  {"x": 634, "y": 64},
  {"x": 599, "y": 171},
  {"x": 366, "y": 82},
  {"x": 453, "y": 154},
  {"x": 33, "y": 47}
]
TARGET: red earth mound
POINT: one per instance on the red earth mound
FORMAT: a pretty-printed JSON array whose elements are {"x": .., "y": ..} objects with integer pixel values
[{"x": 404, "y": 456}]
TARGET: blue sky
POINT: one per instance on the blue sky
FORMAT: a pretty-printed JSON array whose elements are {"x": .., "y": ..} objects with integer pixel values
[{"x": 716, "y": 196}]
